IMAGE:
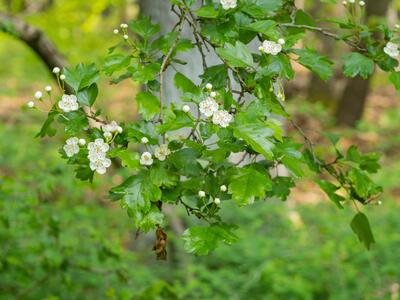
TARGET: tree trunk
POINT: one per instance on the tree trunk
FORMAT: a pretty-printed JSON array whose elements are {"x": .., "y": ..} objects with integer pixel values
[{"x": 354, "y": 98}]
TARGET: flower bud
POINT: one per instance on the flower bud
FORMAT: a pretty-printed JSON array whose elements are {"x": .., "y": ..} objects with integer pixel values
[
  {"x": 186, "y": 108},
  {"x": 281, "y": 41},
  {"x": 82, "y": 142},
  {"x": 120, "y": 129},
  {"x": 126, "y": 37},
  {"x": 38, "y": 95},
  {"x": 47, "y": 88},
  {"x": 116, "y": 31},
  {"x": 223, "y": 188},
  {"x": 361, "y": 3},
  {"x": 123, "y": 25},
  {"x": 107, "y": 135},
  {"x": 261, "y": 49},
  {"x": 56, "y": 70},
  {"x": 144, "y": 140},
  {"x": 31, "y": 104},
  {"x": 209, "y": 86},
  {"x": 201, "y": 194},
  {"x": 62, "y": 76},
  {"x": 213, "y": 94},
  {"x": 217, "y": 201}
]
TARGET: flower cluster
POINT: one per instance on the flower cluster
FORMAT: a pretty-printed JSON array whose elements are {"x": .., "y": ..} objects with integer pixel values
[
  {"x": 209, "y": 108},
  {"x": 68, "y": 103},
  {"x": 71, "y": 146},
  {"x": 110, "y": 129},
  {"x": 391, "y": 49},
  {"x": 97, "y": 156},
  {"x": 270, "y": 47},
  {"x": 228, "y": 4}
]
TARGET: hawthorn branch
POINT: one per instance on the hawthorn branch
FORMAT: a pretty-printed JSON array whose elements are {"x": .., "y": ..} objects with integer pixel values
[
  {"x": 165, "y": 62},
  {"x": 326, "y": 33}
]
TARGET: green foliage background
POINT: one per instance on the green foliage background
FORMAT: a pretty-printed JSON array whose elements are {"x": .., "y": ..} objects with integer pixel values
[{"x": 61, "y": 239}]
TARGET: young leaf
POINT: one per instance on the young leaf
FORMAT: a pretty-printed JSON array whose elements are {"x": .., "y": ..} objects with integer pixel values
[
  {"x": 81, "y": 76},
  {"x": 330, "y": 189},
  {"x": 360, "y": 226}
]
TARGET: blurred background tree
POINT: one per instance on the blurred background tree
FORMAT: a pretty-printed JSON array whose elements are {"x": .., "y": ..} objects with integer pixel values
[{"x": 64, "y": 240}]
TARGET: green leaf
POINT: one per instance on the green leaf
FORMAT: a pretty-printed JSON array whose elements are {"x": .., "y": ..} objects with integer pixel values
[
  {"x": 88, "y": 95},
  {"x": 361, "y": 227},
  {"x": 202, "y": 240},
  {"x": 358, "y": 64},
  {"x": 318, "y": 64},
  {"x": 148, "y": 220},
  {"x": 261, "y": 8},
  {"x": 248, "y": 184},
  {"x": 363, "y": 185},
  {"x": 185, "y": 84},
  {"x": 144, "y": 73},
  {"x": 129, "y": 159},
  {"x": 185, "y": 161},
  {"x": 115, "y": 62},
  {"x": 330, "y": 189},
  {"x": 281, "y": 187},
  {"x": 267, "y": 27},
  {"x": 208, "y": 12},
  {"x": 144, "y": 27},
  {"x": 368, "y": 162},
  {"x": 149, "y": 105},
  {"x": 137, "y": 192},
  {"x": 395, "y": 80},
  {"x": 47, "y": 128},
  {"x": 237, "y": 55},
  {"x": 81, "y": 76},
  {"x": 160, "y": 175},
  {"x": 258, "y": 135}
]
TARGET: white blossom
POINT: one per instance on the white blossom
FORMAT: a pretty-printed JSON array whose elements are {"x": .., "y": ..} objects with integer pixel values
[
  {"x": 144, "y": 140},
  {"x": 223, "y": 188},
  {"x": 68, "y": 103},
  {"x": 209, "y": 86},
  {"x": 270, "y": 47},
  {"x": 222, "y": 118},
  {"x": 47, "y": 88},
  {"x": 97, "y": 156},
  {"x": 201, "y": 194},
  {"x": 71, "y": 146},
  {"x": 208, "y": 107},
  {"x": 111, "y": 127},
  {"x": 56, "y": 70},
  {"x": 62, "y": 76},
  {"x": 100, "y": 165},
  {"x": 217, "y": 201},
  {"x": 146, "y": 159},
  {"x": 391, "y": 49},
  {"x": 31, "y": 104},
  {"x": 186, "y": 108},
  {"x": 38, "y": 95},
  {"x": 162, "y": 152},
  {"x": 227, "y": 4}
]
